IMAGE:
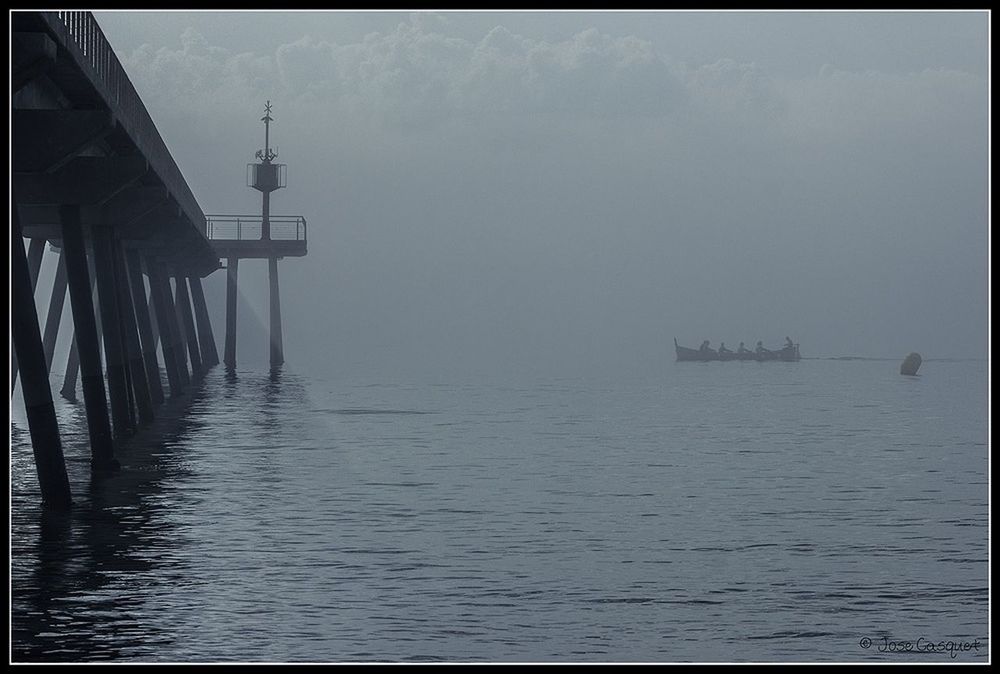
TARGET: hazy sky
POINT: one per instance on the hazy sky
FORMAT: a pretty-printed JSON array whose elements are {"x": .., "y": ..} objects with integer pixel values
[{"x": 564, "y": 193}]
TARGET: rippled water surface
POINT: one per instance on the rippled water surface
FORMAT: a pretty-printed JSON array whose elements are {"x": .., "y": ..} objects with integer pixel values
[{"x": 715, "y": 512}]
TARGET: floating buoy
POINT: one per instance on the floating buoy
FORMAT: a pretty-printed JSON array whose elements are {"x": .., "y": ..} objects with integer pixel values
[{"x": 910, "y": 364}]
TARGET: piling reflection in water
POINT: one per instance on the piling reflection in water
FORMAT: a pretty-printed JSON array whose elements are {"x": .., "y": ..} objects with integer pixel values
[
  {"x": 82, "y": 578},
  {"x": 291, "y": 518},
  {"x": 85, "y": 595}
]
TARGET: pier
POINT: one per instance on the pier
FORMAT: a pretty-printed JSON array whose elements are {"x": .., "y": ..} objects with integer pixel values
[{"x": 95, "y": 185}]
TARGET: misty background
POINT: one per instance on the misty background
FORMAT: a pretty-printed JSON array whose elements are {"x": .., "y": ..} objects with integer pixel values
[{"x": 564, "y": 193}]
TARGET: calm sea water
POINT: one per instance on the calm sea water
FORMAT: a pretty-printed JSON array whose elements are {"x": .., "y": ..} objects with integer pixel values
[{"x": 714, "y": 512}]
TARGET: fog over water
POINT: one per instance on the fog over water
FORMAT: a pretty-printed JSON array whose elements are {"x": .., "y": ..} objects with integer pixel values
[
  {"x": 564, "y": 193},
  {"x": 480, "y": 446}
]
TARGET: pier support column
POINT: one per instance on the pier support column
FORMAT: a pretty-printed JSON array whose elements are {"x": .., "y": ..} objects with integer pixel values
[
  {"x": 152, "y": 319},
  {"x": 133, "y": 350},
  {"x": 206, "y": 340},
  {"x": 187, "y": 324},
  {"x": 143, "y": 324},
  {"x": 98, "y": 424},
  {"x": 114, "y": 349},
  {"x": 277, "y": 352},
  {"x": 68, "y": 390},
  {"x": 42, "y": 425},
  {"x": 36, "y": 250},
  {"x": 159, "y": 293},
  {"x": 232, "y": 272},
  {"x": 177, "y": 331},
  {"x": 54, "y": 315}
]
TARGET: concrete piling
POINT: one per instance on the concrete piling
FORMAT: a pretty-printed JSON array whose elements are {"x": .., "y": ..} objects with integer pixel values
[
  {"x": 36, "y": 249},
  {"x": 144, "y": 325},
  {"x": 176, "y": 331},
  {"x": 133, "y": 351},
  {"x": 186, "y": 321},
  {"x": 54, "y": 314},
  {"x": 206, "y": 340},
  {"x": 114, "y": 349},
  {"x": 153, "y": 322},
  {"x": 232, "y": 273},
  {"x": 68, "y": 390},
  {"x": 27, "y": 341},
  {"x": 277, "y": 349},
  {"x": 85, "y": 325},
  {"x": 160, "y": 298}
]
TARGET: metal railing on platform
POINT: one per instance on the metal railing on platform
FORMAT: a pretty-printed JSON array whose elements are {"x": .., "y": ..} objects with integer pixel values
[{"x": 249, "y": 227}]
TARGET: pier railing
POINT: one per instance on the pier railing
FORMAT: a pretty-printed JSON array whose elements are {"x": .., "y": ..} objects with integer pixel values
[
  {"x": 79, "y": 33},
  {"x": 249, "y": 227}
]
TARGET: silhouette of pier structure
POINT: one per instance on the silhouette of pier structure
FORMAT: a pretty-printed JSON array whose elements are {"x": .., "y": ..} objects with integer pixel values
[{"x": 94, "y": 183}]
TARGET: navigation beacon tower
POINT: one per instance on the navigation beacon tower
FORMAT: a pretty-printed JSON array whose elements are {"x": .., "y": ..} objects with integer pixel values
[
  {"x": 266, "y": 177},
  {"x": 246, "y": 236}
]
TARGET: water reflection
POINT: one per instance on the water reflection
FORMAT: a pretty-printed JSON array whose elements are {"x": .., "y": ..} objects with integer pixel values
[
  {"x": 284, "y": 517},
  {"x": 283, "y": 398},
  {"x": 80, "y": 579}
]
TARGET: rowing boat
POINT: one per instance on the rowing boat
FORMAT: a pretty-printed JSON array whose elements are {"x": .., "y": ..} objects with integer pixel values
[{"x": 788, "y": 354}]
